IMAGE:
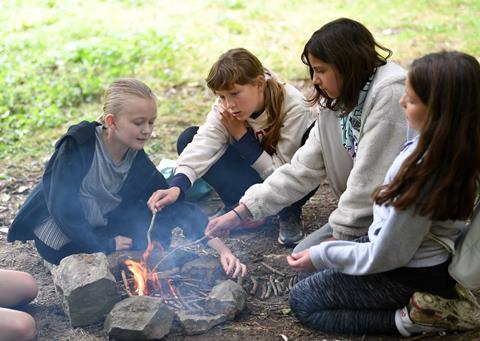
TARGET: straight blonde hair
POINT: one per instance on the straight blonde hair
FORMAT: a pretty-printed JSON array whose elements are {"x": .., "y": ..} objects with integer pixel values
[{"x": 119, "y": 91}]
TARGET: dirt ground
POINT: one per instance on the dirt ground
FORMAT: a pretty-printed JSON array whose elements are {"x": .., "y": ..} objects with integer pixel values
[{"x": 268, "y": 319}]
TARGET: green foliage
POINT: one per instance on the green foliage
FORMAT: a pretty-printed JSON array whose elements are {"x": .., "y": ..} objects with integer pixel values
[
  {"x": 47, "y": 88},
  {"x": 57, "y": 57}
]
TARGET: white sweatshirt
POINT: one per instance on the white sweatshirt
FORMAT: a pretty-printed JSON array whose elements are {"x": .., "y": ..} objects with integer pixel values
[
  {"x": 212, "y": 138},
  {"x": 382, "y": 135}
]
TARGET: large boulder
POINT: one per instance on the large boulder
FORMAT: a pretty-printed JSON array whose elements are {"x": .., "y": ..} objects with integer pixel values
[{"x": 87, "y": 287}]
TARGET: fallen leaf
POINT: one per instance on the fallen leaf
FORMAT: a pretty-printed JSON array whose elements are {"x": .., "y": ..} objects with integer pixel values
[
  {"x": 22, "y": 189},
  {"x": 5, "y": 197}
]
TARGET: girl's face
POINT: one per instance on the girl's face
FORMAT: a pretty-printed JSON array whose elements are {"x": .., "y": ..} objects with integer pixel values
[
  {"x": 243, "y": 100},
  {"x": 326, "y": 76},
  {"x": 133, "y": 125},
  {"x": 415, "y": 109}
]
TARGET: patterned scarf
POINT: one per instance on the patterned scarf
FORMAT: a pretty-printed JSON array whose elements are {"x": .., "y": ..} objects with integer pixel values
[{"x": 352, "y": 122}]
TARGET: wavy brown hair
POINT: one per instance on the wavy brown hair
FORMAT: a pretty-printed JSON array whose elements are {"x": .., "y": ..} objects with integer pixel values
[
  {"x": 351, "y": 48},
  {"x": 441, "y": 176},
  {"x": 240, "y": 66}
]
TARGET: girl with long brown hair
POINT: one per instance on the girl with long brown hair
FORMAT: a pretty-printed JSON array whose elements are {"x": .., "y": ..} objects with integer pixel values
[
  {"x": 365, "y": 286},
  {"x": 255, "y": 126},
  {"x": 360, "y": 128}
]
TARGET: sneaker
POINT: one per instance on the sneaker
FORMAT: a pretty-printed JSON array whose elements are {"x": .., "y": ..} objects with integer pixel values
[
  {"x": 406, "y": 326},
  {"x": 291, "y": 231},
  {"x": 450, "y": 314}
]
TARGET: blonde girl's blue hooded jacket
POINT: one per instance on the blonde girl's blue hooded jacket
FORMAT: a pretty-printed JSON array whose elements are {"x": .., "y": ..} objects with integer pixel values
[{"x": 57, "y": 195}]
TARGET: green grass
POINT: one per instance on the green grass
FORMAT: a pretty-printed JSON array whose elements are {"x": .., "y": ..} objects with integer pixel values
[{"x": 57, "y": 57}]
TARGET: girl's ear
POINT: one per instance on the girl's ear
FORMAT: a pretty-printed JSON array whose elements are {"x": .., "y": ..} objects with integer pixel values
[
  {"x": 261, "y": 81},
  {"x": 109, "y": 120}
]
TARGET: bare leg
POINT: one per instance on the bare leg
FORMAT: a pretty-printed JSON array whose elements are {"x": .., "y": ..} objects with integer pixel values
[
  {"x": 16, "y": 325},
  {"x": 16, "y": 288}
]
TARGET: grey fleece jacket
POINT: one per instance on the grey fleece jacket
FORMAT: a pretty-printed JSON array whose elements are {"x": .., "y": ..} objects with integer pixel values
[
  {"x": 382, "y": 134},
  {"x": 397, "y": 239}
]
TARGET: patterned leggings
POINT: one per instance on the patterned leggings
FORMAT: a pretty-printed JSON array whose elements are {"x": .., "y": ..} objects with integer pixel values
[{"x": 337, "y": 303}]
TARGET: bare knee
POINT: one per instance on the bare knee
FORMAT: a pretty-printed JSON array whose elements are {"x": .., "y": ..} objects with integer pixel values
[
  {"x": 17, "y": 325},
  {"x": 31, "y": 288}
]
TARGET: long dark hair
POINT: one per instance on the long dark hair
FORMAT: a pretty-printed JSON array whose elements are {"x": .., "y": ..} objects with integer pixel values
[
  {"x": 240, "y": 66},
  {"x": 442, "y": 175},
  {"x": 351, "y": 48}
]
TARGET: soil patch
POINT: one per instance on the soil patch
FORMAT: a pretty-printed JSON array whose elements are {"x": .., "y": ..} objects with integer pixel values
[{"x": 268, "y": 319}]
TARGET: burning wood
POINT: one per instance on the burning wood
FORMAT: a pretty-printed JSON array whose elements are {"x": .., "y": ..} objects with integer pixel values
[
  {"x": 125, "y": 283},
  {"x": 162, "y": 285}
]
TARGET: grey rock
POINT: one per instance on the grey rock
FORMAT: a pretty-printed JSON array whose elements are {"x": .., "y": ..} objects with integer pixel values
[
  {"x": 139, "y": 318},
  {"x": 193, "y": 324},
  {"x": 226, "y": 298},
  {"x": 87, "y": 288},
  {"x": 206, "y": 268}
]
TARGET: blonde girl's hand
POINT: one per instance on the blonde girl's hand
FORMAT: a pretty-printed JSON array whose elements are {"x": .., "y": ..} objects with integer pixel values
[
  {"x": 235, "y": 127},
  {"x": 221, "y": 226},
  {"x": 301, "y": 261},
  {"x": 162, "y": 198},
  {"x": 122, "y": 243},
  {"x": 232, "y": 265}
]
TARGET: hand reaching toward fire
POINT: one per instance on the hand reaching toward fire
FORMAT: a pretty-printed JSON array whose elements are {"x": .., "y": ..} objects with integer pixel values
[
  {"x": 301, "y": 261},
  {"x": 122, "y": 243},
  {"x": 231, "y": 264},
  {"x": 163, "y": 197},
  {"x": 221, "y": 226}
]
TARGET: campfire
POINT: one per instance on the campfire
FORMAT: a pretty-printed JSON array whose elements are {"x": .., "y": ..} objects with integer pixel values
[
  {"x": 147, "y": 295},
  {"x": 172, "y": 288}
]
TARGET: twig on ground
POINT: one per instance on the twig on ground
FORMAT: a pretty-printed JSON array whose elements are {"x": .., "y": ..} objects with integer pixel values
[
  {"x": 255, "y": 285},
  {"x": 272, "y": 284},
  {"x": 264, "y": 291},
  {"x": 272, "y": 269},
  {"x": 269, "y": 291}
]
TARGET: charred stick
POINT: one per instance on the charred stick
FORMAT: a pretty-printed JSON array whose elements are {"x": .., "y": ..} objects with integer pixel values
[
  {"x": 125, "y": 282},
  {"x": 272, "y": 269},
  {"x": 272, "y": 284},
  {"x": 255, "y": 285}
]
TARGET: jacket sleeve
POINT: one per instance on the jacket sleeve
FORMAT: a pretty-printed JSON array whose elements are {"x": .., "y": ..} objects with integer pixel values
[
  {"x": 61, "y": 183},
  {"x": 383, "y": 136},
  {"x": 397, "y": 242},
  {"x": 207, "y": 146},
  {"x": 295, "y": 124},
  {"x": 290, "y": 182}
]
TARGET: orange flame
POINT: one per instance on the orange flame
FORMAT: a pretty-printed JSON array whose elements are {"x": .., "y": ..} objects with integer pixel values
[{"x": 142, "y": 275}]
